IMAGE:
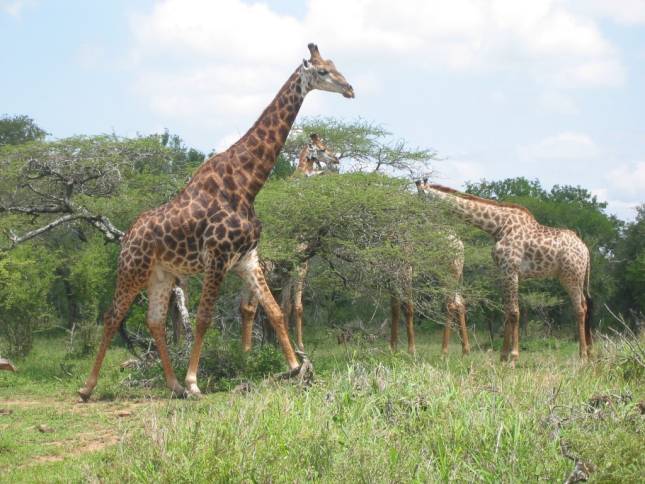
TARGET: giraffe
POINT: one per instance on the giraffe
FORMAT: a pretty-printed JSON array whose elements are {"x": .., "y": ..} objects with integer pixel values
[
  {"x": 455, "y": 306},
  {"x": 210, "y": 227},
  {"x": 525, "y": 248},
  {"x": 313, "y": 153}
]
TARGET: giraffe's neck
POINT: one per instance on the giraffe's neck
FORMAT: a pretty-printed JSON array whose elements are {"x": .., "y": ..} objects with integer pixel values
[
  {"x": 495, "y": 220},
  {"x": 305, "y": 164},
  {"x": 257, "y": 151}
]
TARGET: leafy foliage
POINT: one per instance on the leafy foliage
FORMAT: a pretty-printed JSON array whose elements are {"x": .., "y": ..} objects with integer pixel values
[
  {"x": 15, "y": 130},
  {"x": 364, "y": 145},
  {"x": 26, "y": 276}
]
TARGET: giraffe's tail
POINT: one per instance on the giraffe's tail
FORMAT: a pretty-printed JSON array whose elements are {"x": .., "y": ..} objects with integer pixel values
[{"x": 588, "y": 299}]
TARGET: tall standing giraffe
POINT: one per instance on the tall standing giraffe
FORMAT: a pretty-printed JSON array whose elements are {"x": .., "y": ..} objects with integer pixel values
[
  {"x": 314, "y": 154},
  {"x": 211, "y": 227},
  {"x": 526, "y": 249},
  {"x": 455, "y": 306}
]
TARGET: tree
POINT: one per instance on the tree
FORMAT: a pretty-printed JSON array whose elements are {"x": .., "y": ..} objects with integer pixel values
[
  {"x": 51, "y": 192},
  {"x": 19, "y": 129},
  {"x": 365, "y": 145},
  {"x": 630, "y": 266},
  {"x": 372, "y": 235}
]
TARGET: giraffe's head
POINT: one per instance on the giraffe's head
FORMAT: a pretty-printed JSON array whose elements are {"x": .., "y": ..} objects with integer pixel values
[
  {"x": 322, "y": 74},
  {"x": 423, "y": 187},
  {"x": 318, "y": 152}
]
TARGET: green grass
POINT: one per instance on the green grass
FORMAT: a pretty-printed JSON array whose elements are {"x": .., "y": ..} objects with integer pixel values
[{"x": 370, "y": 416}]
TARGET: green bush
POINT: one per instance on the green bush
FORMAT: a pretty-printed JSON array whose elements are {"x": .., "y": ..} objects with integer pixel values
[{"x": 26, "y": 275}]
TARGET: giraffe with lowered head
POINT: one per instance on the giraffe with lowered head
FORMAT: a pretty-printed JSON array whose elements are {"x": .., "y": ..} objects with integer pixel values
[
  {"x": 210, "y": 227},
  {"x": 525, "y": 248},
  {"x": 455, "y": 306},
  {"x": 315, "y": 158}
]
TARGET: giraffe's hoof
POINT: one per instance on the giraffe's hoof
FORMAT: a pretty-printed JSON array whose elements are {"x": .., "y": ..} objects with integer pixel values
[
  {"x": 178, "y": 391},
  {"x": 84, "y": 393},
  {"x": 193, "y": 392}
]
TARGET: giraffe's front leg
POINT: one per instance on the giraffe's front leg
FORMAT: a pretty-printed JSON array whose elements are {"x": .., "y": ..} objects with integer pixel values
[
  {"x": 212, "y": 280},
  {"x": 395, "y": 312},
  {"x": 248, "y": 308},
  {"x": 408, "y": 309},
  {"x": 463, "y": 329},
  {"x": 301, "y": 275},
  {"x": 512, "y": 313}
]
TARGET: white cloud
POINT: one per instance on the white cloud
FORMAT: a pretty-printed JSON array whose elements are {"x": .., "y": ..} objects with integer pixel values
[
  {"x": 625, "y": 210},
  {"x": 563, "y": 146},
  {"x": 14, "y": 7},
  {"x": 630, "y": 12},
  {"x": 227, "y": 58},
  {"x": 629, "y": 179}
]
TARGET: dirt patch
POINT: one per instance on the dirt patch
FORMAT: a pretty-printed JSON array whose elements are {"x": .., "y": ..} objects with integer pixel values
[
  {"x": 82, "y": 444},
  {"x": 45, "y": 458}
]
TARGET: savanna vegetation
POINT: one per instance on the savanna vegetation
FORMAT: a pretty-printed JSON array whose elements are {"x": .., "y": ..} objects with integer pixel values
[{"x": 369, "y": 415}]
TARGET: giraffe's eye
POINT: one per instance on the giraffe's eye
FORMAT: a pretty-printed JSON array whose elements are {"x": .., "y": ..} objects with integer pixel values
[{"x": 323, "y": 72}]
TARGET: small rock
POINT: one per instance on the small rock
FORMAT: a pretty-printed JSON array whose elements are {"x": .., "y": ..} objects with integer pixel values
[
  {"x": 6, "y": 365},
  {"x": 44, "y": 428},
  {"x": 130, "y": 364},
  {"x": 123, "y": 413},
  {"x": 5, "y": 411},
  {"x": 242, "y": 388}
]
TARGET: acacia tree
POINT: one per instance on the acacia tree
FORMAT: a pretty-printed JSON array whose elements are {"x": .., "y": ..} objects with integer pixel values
[
  {"x": 364, "y": 145},
  {"x": 372, "y": 235},
  {"x": 52, "y": 191}
]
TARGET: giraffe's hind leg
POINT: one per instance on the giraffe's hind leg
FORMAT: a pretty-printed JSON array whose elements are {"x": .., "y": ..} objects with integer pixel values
[
  {"x": 248, "y": 308},
  {"x": 128, "y": 286},
  {"x": 250, "y": 271},
  {"x": 159, "y": 288},
  {"x": 574, "y": 289},
  {"x": 450, "y": 316}
]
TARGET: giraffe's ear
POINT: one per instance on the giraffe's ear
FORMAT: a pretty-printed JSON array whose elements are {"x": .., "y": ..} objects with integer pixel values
[
  {"x": 417, "y": 183},
  {"x": 314, "y": 137},
  {"x": 425, "y": 180}
]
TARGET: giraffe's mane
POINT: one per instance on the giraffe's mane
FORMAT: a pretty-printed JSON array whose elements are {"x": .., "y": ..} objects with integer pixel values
[{"x": 475, "y": 198}]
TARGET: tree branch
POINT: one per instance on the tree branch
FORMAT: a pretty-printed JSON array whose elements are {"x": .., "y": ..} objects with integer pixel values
[{"x": 15, "y": 240}]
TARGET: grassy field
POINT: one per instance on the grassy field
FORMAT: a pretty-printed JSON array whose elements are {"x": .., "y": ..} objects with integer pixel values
[{"x": 370, "y": 416}]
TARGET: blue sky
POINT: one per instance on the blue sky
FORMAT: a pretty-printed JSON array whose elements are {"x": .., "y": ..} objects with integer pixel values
[{"x": 547, "y": 89}]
